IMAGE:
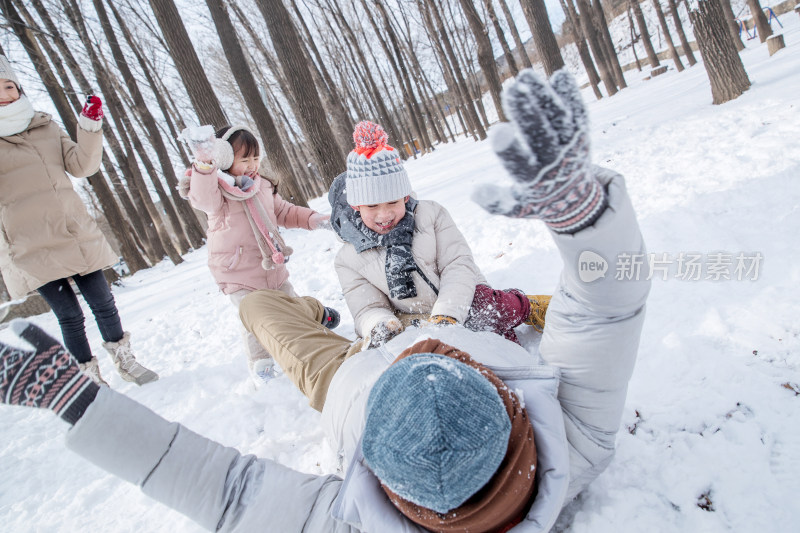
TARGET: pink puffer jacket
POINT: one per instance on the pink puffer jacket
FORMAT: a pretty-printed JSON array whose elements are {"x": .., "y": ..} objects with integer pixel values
[{"x": 233, "y": 254}]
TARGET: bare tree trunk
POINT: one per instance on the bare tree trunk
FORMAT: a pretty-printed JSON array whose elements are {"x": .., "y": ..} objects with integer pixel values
[
  {"x": 383, "y": 116},
  {"x": 454, "y": 93},
  {"x": 485, "y": 56},
  {"x": 158, "y": 91},
  {"x": 611, "y": 53},
  {"x": 465, "y": 49},
  {"x": 342, "y": 124},
  {"x": 597, "y": 48},
  {"x": 676, "y": 19},
  {"x": 583, "y": 49},
  {"x": 205, "y": 102},
  {"x": 187, "y": 221},
  {"x": 421, "y": 78},
  {"x": 644, "y": 34},
  {"x": 313, "y": 119},
  {"x": 275, "y": 153},
  {"x": 634, "y": 38},
  {"x": 512, "y": 26},
  {"x": 732, "y": 26},
  {"x": 461, "y": 84},
  {"x": 665, "y": 28},
  {"x": 400, "y": 74},
  {"x": 543, "y": 37},
  {"x": 760, "y": 19},
  {"x": 501, "y": 36},
  {"x": 720, "y": 58}
]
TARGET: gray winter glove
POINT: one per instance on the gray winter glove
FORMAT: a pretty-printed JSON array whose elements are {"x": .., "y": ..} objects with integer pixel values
[
  {"x": 48, "y": 377},
  {"x": 384, "y": 332},
  {"x": 545, "y": 148}
]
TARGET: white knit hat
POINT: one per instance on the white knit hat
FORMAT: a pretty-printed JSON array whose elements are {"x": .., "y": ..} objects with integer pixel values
[
  {"x": 374, "y": 171},
  {"x": 6, "y": 72}
]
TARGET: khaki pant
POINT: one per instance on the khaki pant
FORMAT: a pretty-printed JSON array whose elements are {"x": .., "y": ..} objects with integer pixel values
[
  {"x": 255, "y": 350},
  {"x": 291, "y": 330}
]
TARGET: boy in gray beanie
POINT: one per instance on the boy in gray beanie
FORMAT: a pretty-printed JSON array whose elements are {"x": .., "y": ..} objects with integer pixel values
[
  {"x": 431, "y": 436},
  {"x": 404, "y": 259}
]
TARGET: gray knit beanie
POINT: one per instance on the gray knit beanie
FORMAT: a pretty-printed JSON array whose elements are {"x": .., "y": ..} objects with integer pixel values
[
  {"x": 436, "y": 430},
  {"x": 7, "y": 72},
  {"x": 375, "y": 173}
]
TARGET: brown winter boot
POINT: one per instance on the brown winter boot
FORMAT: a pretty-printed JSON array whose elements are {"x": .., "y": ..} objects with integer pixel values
[
  {"x": 126, "y": 363},
  {"x": 539, "y": 305}
]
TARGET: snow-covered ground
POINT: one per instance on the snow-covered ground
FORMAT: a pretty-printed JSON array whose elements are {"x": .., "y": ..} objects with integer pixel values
[{"x": 709, "y": 437}]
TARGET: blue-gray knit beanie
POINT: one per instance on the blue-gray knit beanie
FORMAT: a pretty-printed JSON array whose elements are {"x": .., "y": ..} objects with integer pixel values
[{"x": 436, "y": 430}]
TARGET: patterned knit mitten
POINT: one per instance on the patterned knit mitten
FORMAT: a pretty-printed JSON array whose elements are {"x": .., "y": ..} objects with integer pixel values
[
  {"x": 545, "y": 148},
  {"x": 48, "y": 377}
]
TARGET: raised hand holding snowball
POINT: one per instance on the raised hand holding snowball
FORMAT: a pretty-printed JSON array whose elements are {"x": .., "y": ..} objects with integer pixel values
[
  {"x": 545, "y": 149},
  {"x": 201, "y": 141}
]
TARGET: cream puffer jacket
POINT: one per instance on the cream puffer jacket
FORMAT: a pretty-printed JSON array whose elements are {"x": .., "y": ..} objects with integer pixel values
[
  {"x": 45, "y": 231},
  {"x": 439, "y": 250}
]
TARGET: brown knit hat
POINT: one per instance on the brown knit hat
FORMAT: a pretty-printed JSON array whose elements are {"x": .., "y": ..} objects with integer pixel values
[{"x": 504, "y": 500}]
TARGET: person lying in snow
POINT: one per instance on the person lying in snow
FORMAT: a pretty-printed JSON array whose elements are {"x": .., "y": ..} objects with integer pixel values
[
  {"x": 441, "y": 429},
  {"x": 404, "y": 259}
]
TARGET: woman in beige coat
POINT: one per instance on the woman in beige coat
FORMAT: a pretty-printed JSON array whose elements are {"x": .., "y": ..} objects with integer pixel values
[{"x": 46, "y": 234}]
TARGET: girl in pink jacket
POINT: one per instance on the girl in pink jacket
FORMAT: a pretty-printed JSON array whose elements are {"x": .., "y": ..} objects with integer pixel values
[{"x": 245, "y": 250}]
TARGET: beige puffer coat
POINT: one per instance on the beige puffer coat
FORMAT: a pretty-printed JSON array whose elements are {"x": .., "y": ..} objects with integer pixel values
[
  {"x": 45, "y": 231},
  {"x": 439, "y": 250}
]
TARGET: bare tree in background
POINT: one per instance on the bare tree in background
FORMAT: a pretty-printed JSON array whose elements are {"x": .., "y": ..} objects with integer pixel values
[
  {"x": 501, "y": 37},
  {"x": 644, "y": 34},
  {"x": 485, "y": 55},
  {"x": 760, "y": 19},
  {"x": 232, "y": 48},
  {"x": 591, "y": 34},
  {"x": 665, "y": 28},
  {"x": 676, "y": 20},
  {"x": 730, "y": 18},
  {"x": 313, "y": 119},
  {"x": 172, "y": 204},
  {"x": 574, "y": 28},
  {"x": 202, "y": 95},
  {"x": 544, "y": 39},
  {"x": 512, "y": 27},
  {"x": 720, "y": 57}
]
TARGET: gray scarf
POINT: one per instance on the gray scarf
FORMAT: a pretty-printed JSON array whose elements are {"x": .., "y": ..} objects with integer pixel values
[{"x": 400, "y": 264}]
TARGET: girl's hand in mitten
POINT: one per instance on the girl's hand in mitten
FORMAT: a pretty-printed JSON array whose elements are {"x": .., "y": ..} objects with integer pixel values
[
  {"x": 545, "y": 149},
  {"x": 201, "y": 142},
  {"x": 93, "y": 108},
  {"x": 319, "y": 221},
  {"x": 47, "y": 377}
]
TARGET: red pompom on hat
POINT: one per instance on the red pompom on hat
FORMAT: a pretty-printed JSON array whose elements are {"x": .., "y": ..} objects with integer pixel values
[
  {"x": 370, "y": 138},
  {"x": 374, "y": 171}
]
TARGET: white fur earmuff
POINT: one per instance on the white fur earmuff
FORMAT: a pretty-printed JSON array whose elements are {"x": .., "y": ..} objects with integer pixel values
[{"x": 223, "y": 151}]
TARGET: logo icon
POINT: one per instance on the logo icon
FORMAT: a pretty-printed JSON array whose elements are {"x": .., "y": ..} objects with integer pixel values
[{"x": 591, "y": 266}]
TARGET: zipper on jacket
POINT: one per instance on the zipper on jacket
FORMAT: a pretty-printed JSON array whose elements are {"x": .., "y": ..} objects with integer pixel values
[{"x": 236, "y": 258}]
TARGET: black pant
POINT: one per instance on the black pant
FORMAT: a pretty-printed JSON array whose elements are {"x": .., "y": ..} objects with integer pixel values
[{"x": 62, "y": 299}]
